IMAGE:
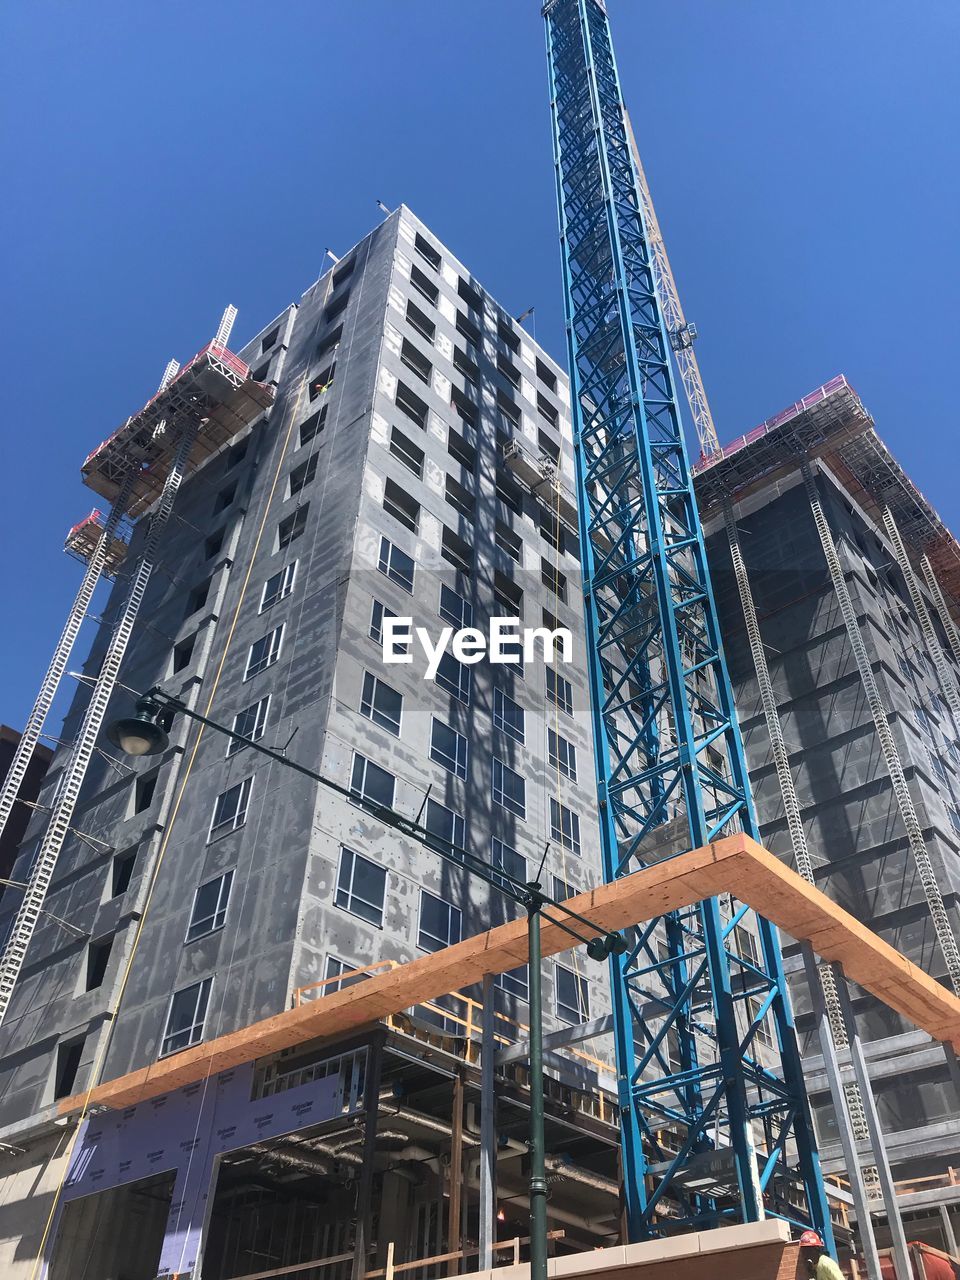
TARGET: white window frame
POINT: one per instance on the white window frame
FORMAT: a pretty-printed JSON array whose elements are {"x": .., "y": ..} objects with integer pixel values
[
  {"x": 385, "y": 564},
  {"x": 571, "y": 842},
  {"x": 373, "y": 713},
  {"x": 562, "y": 754},
  {"x": 349, "y": 893},
  {"x": 499, "y": 697},
  {"x": 259, "y": 725},
  {"x": 457, "y": 765},
  {"x": 218, "y": 917},
  {"x": 273, "y": 651},
  {"x": 517, "y": 812},
  {"x": 454, "y": 915},
  {"x": 195, "y": 1030},
  {"x": 287, "y": 576},
  {"x": 228, "y": 825},
  {"x": 582, "y": 987}
]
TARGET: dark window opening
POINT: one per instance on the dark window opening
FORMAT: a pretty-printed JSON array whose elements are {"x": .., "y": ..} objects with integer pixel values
[
  {"x": 183, "y": 653},
  {"x": 292, "y": 527},
  {"x": 336, "y": 307},
  {"x": 549, "y": 446},
  {"x": 467, "y": 330},
  {"x": 551, "y": 414},
  {"x": 509, "y": 541},
  {"x": 409, "y": 402},
  {"x": 403, "y": 448},
  {"x": 546, "y": 375},
  {"x": 323, "y": 381},
  {"x": 270, "y": 340},
  {"x": 68, "y": 1065},
  {"x": 418, "y": 320},
  {"x": 424, "y": 285},
  {"x": 396, "y": 564},
  {"x": 470, "y": 296},
  {"x": 313, "y": 425},
  {"x": 507, "y": 595},
  {"x": 260, "y": 375},
  {"x": 464, "y": 453},
  {"x": 98, "y": 956},
  {"x": 509, "y": 409},
  {"x": 197, "y": 598},
  {"x": 123, "y": 865},
  {"x": 399, "y": 504},
  {"x": 463, "y": 364},
  {"x": 303, "y": 475},
  {"x": 459, "y": 498},
  {"x": 343, "y": 272},
  {"x": 143, "y": 791},
  {"x": 509, "y": 371},
  {"x": 415, "y": 361},
  {"x": 466, "y": 410},
  {"x": 427, "y": 251},
  {"x": 238, "y": 453},
  {"x": 213, "y": 545},
  {"x": 330, "y": 342},
  {"x": 224, "y": 498},
  {"x": 509, "y": 494},
  {"x": 508, "y": 337},
  {"x": 456, "y": 552}
]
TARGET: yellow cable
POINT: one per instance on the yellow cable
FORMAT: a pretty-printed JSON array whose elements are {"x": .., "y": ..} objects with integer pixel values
[{"x": 98, "y": 1063}]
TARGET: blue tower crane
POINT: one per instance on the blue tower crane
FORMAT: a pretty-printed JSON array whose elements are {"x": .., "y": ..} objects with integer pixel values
[{"x": 716, "y": 1125}]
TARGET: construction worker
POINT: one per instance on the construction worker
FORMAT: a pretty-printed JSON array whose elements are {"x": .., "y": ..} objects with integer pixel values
[{"x": 820, "y": 1266}]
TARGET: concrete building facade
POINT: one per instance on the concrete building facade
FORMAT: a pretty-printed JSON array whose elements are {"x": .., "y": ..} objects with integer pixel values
[
  {"x": 212, "y": 884},
  {"x": 853, "y": 824}
]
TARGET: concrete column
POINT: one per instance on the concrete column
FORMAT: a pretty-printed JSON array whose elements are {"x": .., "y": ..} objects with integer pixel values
[{"x": 488, "y": 1134}]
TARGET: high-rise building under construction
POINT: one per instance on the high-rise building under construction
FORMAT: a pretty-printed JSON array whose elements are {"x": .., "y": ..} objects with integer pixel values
[{"x": 417, "y": 461}]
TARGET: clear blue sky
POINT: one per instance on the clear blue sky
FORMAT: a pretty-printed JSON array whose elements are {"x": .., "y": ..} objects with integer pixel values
[{"x": 161, "y": 160}]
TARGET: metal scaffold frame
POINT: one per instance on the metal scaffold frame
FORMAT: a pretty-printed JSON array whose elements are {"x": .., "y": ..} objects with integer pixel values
[{"x": 688, "y": 1013}]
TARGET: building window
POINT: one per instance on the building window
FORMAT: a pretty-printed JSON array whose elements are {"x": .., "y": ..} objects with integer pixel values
[
  {"x": 403, "y": 448},
  {"x": 468, "y": 330},
  {"x": 238, "y": 453},
  {"x": 553, "y": 531},
  {"x": 68, "y": 1065},
  {"x": 549, "y": 446},
  {"x": 371, "y": 783},
  {"x": 249, "y": 723},
  {"x": 508, "y": 541},
  {"x": 270, "y": 341},
  {"x": 264, "y": 652},
  {"x": 509, "y": 408},
  {"x": 563, "y": 755},
  {"x": 508, "y": 337},
  {"x": 361, "y": 887},
  {"x": 427, "y": 251},
  {"x": 380, "y": 703},
  {"x": 98, "y": 957},
  {"x": 123, "y": 865},
  {"x": 466, "y": 411},
  {"x": 440, "y": 923},
  {"x": 330, "y": 342},
  {"x": 303, "y": 475},
  {"x": 549, "y": 412},
  {"x": 446, "y": 825},
  {"x": 455, "y": 609},
  {"x": 377, "y": 615},
  {"x": 312, "y": 426},
  {"x": 214, "y": 544},
  {"x": 224, "y": 498},
  {"x": 923, "y": 719},
  {"x": 562, "y": 889},
  {"x": 546, "y": 375},
  {"x": 396, "y": 564},
  {"x": 565, "y": 826},
  {"x": 260, "y": 375},
  {"x": 409, "y": 402},
  {"x": 509, "y": 494},
  {"x": 336, "y": 307},
  {"x": 459, "y": 498},
  {"x": 230, "y": 809},
  {"x": 509, "y": 789},
  {"x": 506, "y": 859},
  {"x": 143, "y": 791},
  {"x": 399, "y": 504},
  {"x": 559, "y": 691},
  {"x": 553, "y": 579},
  {"x": 197, "y": 598},
  {"x": 420, "y": 321},
  {"x": 514, "y": 982},
  {"x": 508, "y": 716},
  {"x": 454, "y": 676},
  {"x": 210, "y": 906},
  {"x": 939, "y": 767},
  {"x": 470, "y": 296},
  {"x": 509, "y": 371},
  {"x": 461, "y": 450},
  {"x": 343, "y": 272},
  {"x": 954, "y": 815},
  {"x": 415, "y": 361},
  {"x": 188, "y": 1011},
  {"x": 573, "y": 996},
  {"x": 278, "y": 586},
  {"x": 291, "y": 528},
  {"x": 456, "y": 551},
  {"x": 464, "y": 365},
  {"x": 507, "y": 595},
  {"x": 424, "y": 285},
  {"x": 344, "y": 972},
  {"x": 448, "y": 748},
  {"x": 323, "y": 381}
]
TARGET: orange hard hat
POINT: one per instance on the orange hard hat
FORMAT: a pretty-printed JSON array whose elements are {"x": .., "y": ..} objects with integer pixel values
[{"x": 811, "y": 1238}]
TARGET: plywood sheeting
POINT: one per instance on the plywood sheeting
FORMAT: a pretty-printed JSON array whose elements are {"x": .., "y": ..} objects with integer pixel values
[{"x": 735, "y": 865}]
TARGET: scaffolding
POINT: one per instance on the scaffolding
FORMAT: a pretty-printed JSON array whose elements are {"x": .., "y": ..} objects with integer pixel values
[
  {"x": 198, "y": 409},
  {"x": 84, "y": 540}
]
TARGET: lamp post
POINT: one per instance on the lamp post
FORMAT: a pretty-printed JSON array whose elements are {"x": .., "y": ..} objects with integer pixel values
[{"x": 147, "y": 733}]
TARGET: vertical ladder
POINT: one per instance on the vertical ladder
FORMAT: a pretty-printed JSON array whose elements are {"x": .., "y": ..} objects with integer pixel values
[
  {"x": 946, "y": 617},
  {"x": 687, "y": 1020},
  {"x": 83, "y": 748}
]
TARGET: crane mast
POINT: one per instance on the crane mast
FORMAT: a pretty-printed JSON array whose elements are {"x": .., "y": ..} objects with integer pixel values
[{"x": 714, "y": 1114}]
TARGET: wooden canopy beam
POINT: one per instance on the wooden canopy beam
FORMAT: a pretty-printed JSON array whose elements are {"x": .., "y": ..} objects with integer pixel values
[{"x": 735, "y": 865}]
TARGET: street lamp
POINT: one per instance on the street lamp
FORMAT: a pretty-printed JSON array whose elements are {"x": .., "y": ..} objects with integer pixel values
[{"x": 147, "y": 733}]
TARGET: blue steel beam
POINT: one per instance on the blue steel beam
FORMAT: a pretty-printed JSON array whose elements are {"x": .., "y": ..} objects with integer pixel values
[{"x": 716, "y": 1126}]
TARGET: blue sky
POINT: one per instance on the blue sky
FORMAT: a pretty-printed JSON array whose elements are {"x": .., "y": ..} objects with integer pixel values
[{"x": 163, "y": 160}]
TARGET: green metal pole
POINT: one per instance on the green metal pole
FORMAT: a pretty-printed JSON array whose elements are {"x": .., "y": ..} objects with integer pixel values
[{"x": 538, "y": 1171}]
